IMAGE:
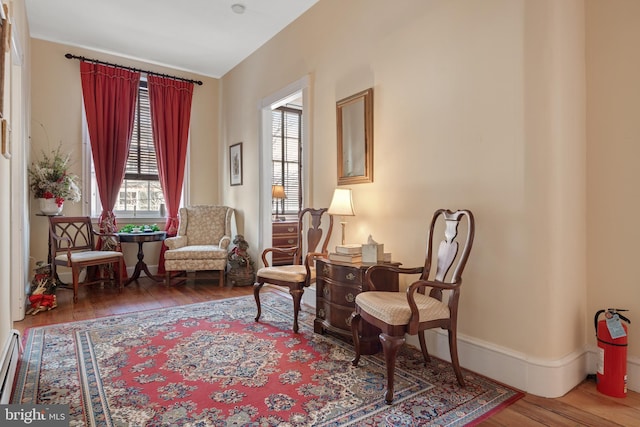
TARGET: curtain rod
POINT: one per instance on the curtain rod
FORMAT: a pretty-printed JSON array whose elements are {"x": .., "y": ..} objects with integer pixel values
[{"x": 82, "y": 58}]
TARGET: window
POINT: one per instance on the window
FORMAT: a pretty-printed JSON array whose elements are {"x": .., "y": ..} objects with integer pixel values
[
  {"x": 287, "y": 155},
  {"x": 140, "y": 194}
]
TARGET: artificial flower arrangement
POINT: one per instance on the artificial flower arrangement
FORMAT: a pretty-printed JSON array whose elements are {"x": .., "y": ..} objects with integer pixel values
[{"x": 50, "y": 178}]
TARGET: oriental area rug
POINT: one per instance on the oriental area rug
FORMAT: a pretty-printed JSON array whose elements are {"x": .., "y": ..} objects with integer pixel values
[{"x": 211, "y": 364}]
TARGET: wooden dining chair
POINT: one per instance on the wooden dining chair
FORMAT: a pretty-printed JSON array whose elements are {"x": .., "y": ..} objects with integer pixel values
[
  {"x": 312, "y": 242},
  {"x": 73, "y": 244},
  {"x": 414, "y": 311}
]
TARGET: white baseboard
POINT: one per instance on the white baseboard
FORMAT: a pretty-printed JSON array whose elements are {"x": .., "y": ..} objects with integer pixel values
[
  {"x": 541, "y": 377},
  {"x": 309, "y": 296},
  {"x": 536, "y": 376}
]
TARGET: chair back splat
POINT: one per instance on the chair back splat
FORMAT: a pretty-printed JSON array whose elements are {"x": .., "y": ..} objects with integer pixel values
[
  {"x": 447, "y": 255},
  {"x": 412, "y": 312},
  {"x": 314, "y": 231}
]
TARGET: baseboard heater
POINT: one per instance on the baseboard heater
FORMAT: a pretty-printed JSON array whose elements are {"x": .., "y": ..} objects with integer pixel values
[{"x": 10, "y": 354}]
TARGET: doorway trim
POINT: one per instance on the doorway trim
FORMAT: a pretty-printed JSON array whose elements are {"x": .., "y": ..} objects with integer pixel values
[{"x": 266, "y": 105}]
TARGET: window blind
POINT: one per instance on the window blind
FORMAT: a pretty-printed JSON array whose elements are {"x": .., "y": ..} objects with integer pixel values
[
  {"x": 142, "y": 164},
  {"x": 286, "y": 155}
]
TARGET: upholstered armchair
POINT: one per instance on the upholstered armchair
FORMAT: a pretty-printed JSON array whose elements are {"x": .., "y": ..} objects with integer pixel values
[{"x": 204, "y": 234}]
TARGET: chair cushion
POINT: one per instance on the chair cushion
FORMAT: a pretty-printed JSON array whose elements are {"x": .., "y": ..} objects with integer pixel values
[
  {"x": 195, "y": 252},
  {"x": 287, "y": 273},
  {"x": 194, "y": 264},
  {"x": 393, "y": 308},
  {"x": 88, "y": 256}
]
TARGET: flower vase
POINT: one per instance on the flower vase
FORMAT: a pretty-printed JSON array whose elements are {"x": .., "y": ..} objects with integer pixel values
[{"x": 50, "y": 206}]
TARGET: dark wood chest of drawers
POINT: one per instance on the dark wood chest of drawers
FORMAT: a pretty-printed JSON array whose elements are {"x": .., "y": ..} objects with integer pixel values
[
  {"x": 284, "y": 235},
  {"x": 337, "y": 285}
]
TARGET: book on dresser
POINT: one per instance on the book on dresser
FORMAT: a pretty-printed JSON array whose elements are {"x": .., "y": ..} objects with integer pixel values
[
  {"x": 348, "y": 258},
  {"x": 351, "y": 248}
]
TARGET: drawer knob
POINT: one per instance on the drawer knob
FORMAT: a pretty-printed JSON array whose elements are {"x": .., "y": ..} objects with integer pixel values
[
  {"x": 351, "y": 276},
  {"x": 350, "y": 297},
  {"x": 290, "y": 229},
  {"x": 325, "y": 291},
  {"x": 321, "y": 313},
  {"x": 290, "y": 241},
  {"x": 347, "y": 321},
  {"x": 325, "y": 269}
]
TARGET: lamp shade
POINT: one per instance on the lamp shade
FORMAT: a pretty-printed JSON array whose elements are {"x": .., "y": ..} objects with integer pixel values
[
  {"x": 342, "y": 203},
  {"x": 277, "y": 192}
]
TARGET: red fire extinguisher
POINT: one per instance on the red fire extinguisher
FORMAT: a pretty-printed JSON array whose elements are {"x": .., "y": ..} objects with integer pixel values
[{"x": 612, "y": 352}]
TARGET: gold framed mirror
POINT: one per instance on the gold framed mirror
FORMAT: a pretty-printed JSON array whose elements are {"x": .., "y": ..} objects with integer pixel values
[{"x": 355, "y": 138}]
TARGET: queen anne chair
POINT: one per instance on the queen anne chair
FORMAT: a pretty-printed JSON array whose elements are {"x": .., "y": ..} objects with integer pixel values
[
  {"x": 73, "y": 244},
  {"x": 204, "y": 234},
  {"x": 302, "y": 272},
  {"x": 397, "y": 313}
]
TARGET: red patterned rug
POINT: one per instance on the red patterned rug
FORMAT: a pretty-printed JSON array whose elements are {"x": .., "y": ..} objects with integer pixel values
[{"x": 210, "y": 364}]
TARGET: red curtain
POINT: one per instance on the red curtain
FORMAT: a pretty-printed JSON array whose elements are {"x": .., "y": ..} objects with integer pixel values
[
  {"x": 109, "y": 99},
  {"x": 170, "y": 116}
]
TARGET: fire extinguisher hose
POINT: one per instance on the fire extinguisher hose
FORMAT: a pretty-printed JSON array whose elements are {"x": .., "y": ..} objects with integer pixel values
[{"x": 612, "y": 343}]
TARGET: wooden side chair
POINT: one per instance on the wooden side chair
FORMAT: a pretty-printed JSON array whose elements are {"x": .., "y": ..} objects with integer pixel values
[
  {"x": 413, "y": 311},
  {"x": 312, "y": 243},
  {"x": 73, "y": 244}
]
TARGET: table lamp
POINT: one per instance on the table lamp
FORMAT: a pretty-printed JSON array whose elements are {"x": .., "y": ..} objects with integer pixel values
[
  {"x": 277, "y": 194},
  {"x": 342, "y": 204}
]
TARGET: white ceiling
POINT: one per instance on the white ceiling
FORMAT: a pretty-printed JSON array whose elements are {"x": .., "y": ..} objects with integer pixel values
[{"x": 200, "y": 36}]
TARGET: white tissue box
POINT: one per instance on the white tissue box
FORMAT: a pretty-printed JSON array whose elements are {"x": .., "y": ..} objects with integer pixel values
[{"x": 372, "y": 252}]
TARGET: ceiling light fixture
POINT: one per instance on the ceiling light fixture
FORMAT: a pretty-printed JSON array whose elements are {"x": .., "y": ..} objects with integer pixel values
[{"x": 238, "y": 8}]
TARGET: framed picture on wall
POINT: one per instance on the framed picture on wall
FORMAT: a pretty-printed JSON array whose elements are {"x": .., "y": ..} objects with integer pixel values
[{"x": 235, "y": 164}]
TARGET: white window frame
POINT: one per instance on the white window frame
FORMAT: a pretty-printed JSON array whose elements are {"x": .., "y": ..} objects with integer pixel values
[{"x": 293, "y": 204}]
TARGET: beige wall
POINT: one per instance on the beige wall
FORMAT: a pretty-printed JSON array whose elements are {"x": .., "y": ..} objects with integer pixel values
[
  {"x": 481, "y": 105},
  {"x": 57, "y": 117},
  {"x": 613, "y": 130},
  {"x": 477, "y": 105}
]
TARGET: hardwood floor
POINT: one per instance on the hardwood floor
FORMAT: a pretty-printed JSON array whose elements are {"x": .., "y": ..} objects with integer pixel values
[
  {"x": 582, "y": 406},
  {"x": 145, "y": 294}
]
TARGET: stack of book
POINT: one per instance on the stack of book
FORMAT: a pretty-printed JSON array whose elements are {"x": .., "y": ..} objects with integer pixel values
[{"x": 351, "y": 254}]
